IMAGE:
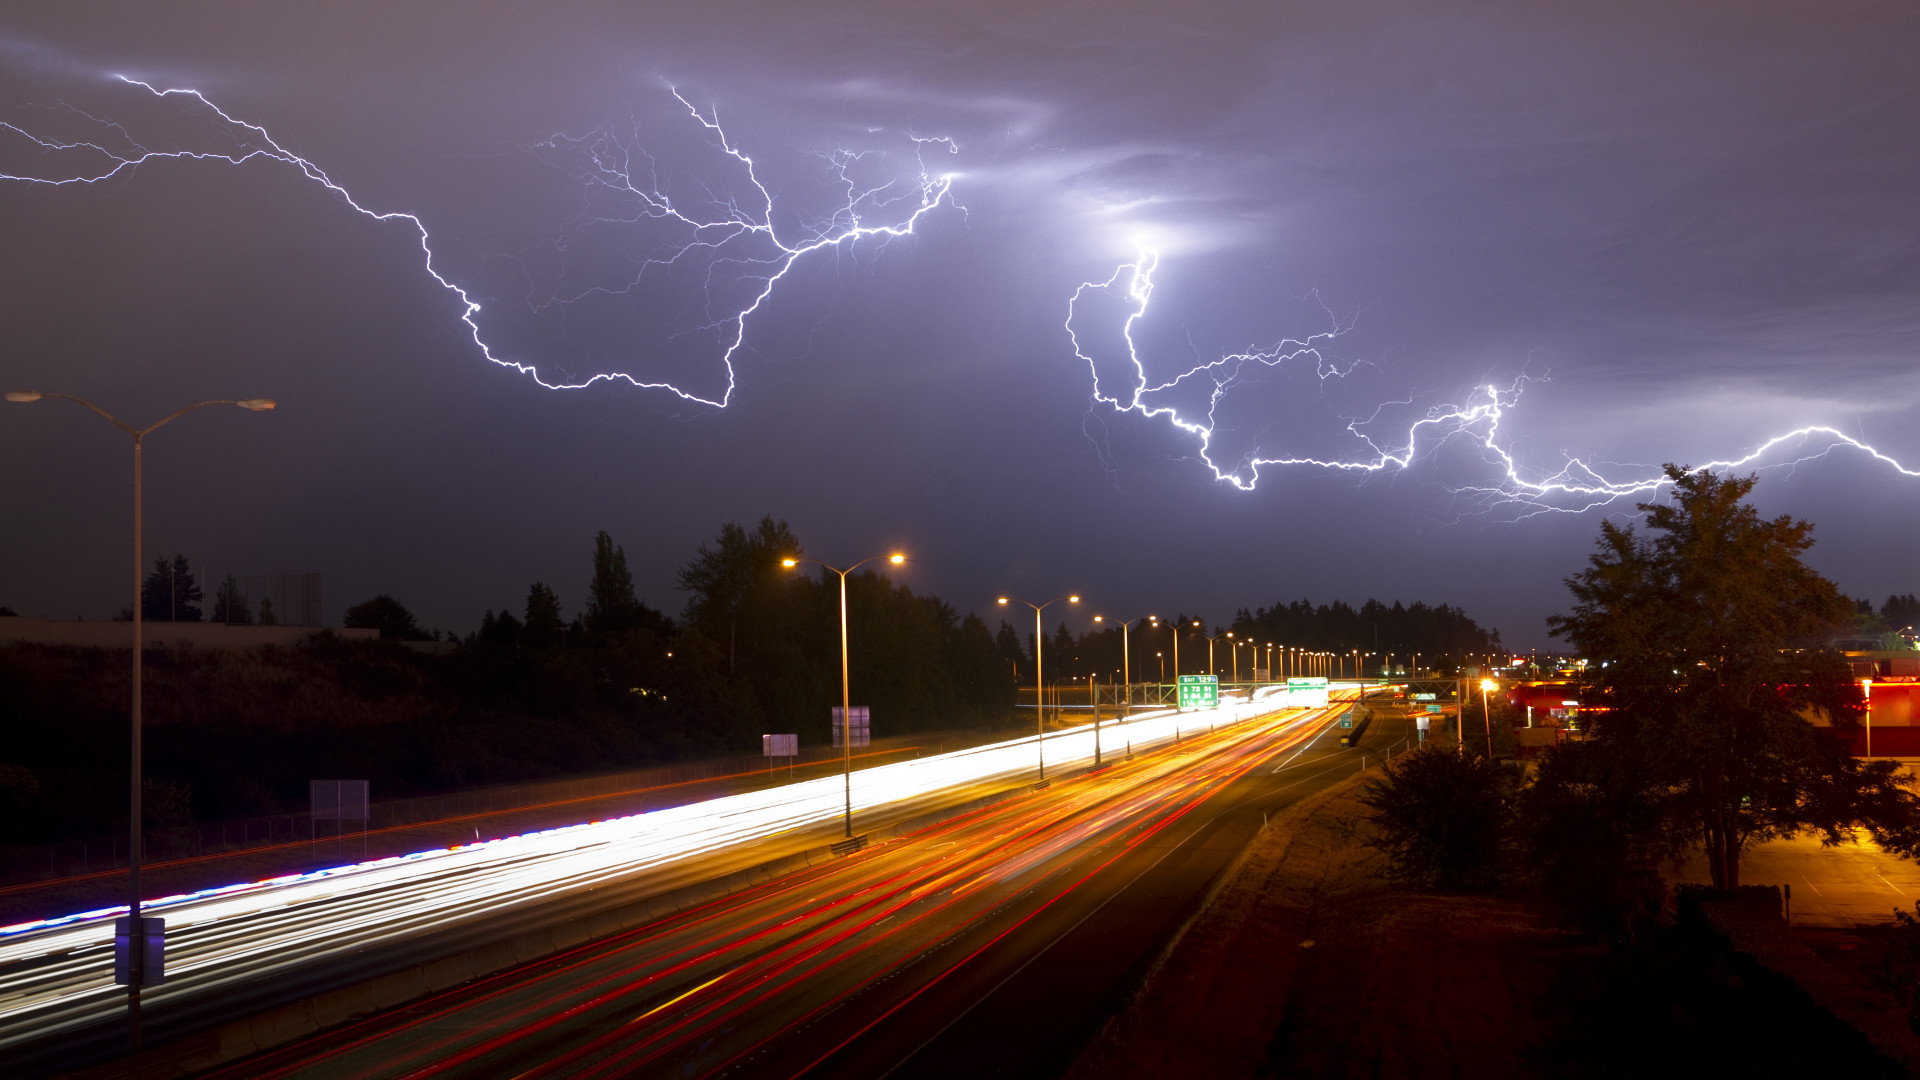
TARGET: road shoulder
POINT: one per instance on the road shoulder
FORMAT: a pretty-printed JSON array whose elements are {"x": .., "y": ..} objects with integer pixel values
[{"x": 1307, "y": 962}]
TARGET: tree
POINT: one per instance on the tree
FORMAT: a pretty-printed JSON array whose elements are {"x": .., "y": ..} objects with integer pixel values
[
  {"x": 1443, "y": 818},
  {"x": 543, "y": 625},
  {"x": 611, "y": 605},
  {"x": 230, "y": 604},
  {"x": 1007, "y": 641},
  {"x": 724, "y": 578},
  {"x": 1700, "y": 641},
  {"x": 503, "y": 633},
  {"x": 169, "y": 593},
  {"x": 1901, "y": 611},
  {"x": 1596, "y": 835},
  {"x": 387, "y": 615}
]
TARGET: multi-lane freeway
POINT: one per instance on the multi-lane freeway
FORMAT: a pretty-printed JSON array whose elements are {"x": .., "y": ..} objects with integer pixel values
[{"x": 909, "y": 953}]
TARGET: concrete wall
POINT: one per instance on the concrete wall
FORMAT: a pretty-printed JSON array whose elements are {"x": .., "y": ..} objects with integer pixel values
[{"x": 119, "y": 635}]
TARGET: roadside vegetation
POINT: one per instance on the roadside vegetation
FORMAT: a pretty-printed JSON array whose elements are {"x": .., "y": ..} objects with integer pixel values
[
  {"x": 1705, "y": 636},
  {"x": 548, "y": 685}
]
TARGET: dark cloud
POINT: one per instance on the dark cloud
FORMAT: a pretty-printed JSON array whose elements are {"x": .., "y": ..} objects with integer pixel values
[{"x": 1697, "y": 222}]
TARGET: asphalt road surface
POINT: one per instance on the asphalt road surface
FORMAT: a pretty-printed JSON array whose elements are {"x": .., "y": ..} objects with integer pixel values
[
  {"x": 245, "y": 948},
  {"x": 992, "y": 944}
]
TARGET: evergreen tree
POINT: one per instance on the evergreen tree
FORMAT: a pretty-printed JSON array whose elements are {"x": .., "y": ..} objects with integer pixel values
[
  {"x": 169, "y": 593},
  {"x": 1012, "y": 652},
  {"x": 725, "y": 577},
  {"x": 1900, "y": 611},
  {"x": 503, "y": 633},
  {"x": 612, "y": 607},
  {"x": 230, "y": 604},
  {"x": 543, "y": 627}
]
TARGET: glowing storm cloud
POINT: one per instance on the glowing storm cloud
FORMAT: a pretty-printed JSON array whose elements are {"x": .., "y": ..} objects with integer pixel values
[
  {"x": 741, "y": 252},
  {"x": 1122, "y": 383}
]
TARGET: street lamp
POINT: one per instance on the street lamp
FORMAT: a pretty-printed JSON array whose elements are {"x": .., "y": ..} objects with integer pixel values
[
  {"x": 846, "y": 695},
  {"x": 1163, "y": 667},
  {"x": 1176, "y": 646},
  {"x": 1233, "y": 656},
  {"x": 1866, "y": 690},
  {"x": 136, "y": 926},
  {"x": 1126, "y": 660},
  {"x": 1486, "y": 712},
  {"x": 1039, "y": 682}
]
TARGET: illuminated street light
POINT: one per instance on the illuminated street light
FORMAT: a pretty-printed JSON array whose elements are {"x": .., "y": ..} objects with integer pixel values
[
  {"x": 1039, "y": 683},
  {"x": 136, "y": 926},
  {"x": 1126, "y": 676},
  {"x": 846, "y": 693},
  {"x": 1255, "y": 646},
  {"x": 1486, "y": 712},
  {"x": 1211, "y": 638},
  {"x": 1866, "y": 689},
  {"x": 1176, "y": 647}
]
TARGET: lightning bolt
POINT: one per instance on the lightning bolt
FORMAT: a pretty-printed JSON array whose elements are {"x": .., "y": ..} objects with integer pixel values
[
  {"x": 741, "y": 241},
  {"x": 1574, "y": 487}
]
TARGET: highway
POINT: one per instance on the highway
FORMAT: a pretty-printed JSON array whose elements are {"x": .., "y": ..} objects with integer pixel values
[
  {"x": 268, "y": 941},
  {"x": 993, "y": 943}
]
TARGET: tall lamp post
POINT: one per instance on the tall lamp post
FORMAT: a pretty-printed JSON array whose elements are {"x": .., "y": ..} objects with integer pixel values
[
  {"x": 1176, "y": 645},
  {"x": 846, "y": 694},
  {"x": 1866, "y": 691},
  {"x": 1039, "y": 693},
  {"x": 136, "y": 926},
  {"x": 1126, "y": 658},
  {"x": 1486, "y": 713}
]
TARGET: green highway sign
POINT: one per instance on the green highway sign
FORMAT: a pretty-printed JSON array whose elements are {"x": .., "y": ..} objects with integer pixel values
[{"x": 1199, "y": 692}]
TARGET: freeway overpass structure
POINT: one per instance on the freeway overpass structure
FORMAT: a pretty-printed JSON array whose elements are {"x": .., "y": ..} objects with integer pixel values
[{"x": 251, "y": 946}]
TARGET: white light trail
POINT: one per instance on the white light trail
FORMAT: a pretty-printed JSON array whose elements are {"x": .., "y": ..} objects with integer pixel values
[
  {"x": 742, "y": 243},
  {"x": 1574, "y": 487},
  {"x": 56, "y": 974}
]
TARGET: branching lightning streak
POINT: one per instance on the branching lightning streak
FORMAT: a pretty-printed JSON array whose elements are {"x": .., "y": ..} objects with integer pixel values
[
  {"x": 611, "y": 168},
  {"x": 1575, "y": 487}
]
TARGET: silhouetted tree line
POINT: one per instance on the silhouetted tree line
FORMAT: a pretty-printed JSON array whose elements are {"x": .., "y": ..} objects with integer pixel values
[
  {"x": 756, "y": 648},
  {"x": 1893, "y": 626},
  {"x": 534, "y": 692},
  {"x": 1436, "y": 633},
  {"x": 170, "y": 592}
]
